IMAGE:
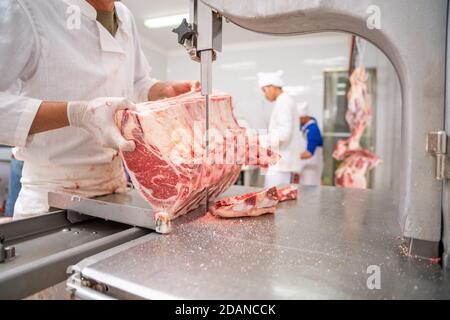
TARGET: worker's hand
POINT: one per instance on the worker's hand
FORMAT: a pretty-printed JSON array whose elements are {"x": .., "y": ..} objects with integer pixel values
[
  {"x": 296, "y": 178},
  {"x": 98, "y": 117},
  {"x": 306, "y": 155},
  {"x": 5, "y": 220},
  {"x": 168, "y": 89}
]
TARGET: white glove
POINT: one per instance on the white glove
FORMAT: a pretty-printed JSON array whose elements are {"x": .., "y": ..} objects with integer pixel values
[{"x": 98, "y": 117}]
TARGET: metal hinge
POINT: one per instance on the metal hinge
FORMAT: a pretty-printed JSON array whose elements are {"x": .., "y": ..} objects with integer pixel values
[{"x": 437, "y": 146}]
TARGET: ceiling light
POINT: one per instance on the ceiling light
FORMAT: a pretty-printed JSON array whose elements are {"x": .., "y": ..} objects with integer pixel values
[{"x": 167, "y": 21}]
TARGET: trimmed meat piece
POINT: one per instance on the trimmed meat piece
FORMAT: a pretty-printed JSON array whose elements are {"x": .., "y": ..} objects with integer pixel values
[
  {"x": 287, "y": 193},
  {"x": 253, "y": 204}
]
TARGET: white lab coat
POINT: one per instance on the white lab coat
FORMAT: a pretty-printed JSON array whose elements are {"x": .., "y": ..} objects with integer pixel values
[
  {"x": 285, "y": 139},
  {"x": 312, "y": 169},
  {"x": 56, "y": 63},
  {"x": 284, "y": 126},
  {"x": 274, "y": 178}
]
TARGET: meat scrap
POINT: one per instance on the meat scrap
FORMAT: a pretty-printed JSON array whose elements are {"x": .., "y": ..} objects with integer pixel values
[
  {"x": 356, "y": 161},
  {"x": 287, "y": 193},
  {"x": 170, "y": 167},
  {"x": 253, "y": 204},
  {"x": 352, "y": 172}
]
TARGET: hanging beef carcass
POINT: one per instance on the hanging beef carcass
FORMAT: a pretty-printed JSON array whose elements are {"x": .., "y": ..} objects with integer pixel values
[
  {"x": 359, "y": 112},
  {"x": 357, "y": 162},
  {"x": 358, "y": 115},
  {"x": 169, "y": 166}
]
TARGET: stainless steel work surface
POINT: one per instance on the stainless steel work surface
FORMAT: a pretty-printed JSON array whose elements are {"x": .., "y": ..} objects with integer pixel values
[
  {"x": 320, "y": 247},
  {"x": 43, "y": 256},
  {"x": 129, "y": 208},
  {"x": 59, "y": 240}
]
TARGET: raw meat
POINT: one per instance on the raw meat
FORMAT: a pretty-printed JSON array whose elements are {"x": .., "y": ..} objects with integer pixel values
[
  {"x": 359, "y": 113},
  {"x": 248, "y": 205},
  {"x": 356, "y": 161},
  {"x": 253, "y": 204},
  {"x": 352, "y": 172},
  {"x": 170, "y": 167},
  {"x": 287, "y": 193}
]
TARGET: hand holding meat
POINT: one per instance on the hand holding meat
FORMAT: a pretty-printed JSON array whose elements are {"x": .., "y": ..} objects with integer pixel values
[{"x": 98, "y": 118}]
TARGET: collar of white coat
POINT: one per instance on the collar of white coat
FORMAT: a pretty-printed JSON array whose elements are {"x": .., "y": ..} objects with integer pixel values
[
  {"x": 282, "y": 99},
  {"x": 282, "y": 96},
  {"x": 310, "y": 122},
  {"x": 107, "y": 42}
]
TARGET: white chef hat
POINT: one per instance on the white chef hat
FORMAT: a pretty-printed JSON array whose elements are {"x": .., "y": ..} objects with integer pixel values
[
  {"x": 303, "y": 109},
  {"x": 271, "y": 79}
]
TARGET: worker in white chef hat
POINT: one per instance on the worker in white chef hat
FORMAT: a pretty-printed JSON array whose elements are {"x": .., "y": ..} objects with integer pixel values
[
  {"x": 67, "y": 55},
  {"x": 283, "y": 125},
  {"x": 312, "y": 157}
]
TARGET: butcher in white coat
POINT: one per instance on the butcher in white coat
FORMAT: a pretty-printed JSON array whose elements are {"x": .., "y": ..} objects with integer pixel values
[
  {"x": 283, "y": 126},
  {"x": 65, "y": 55},
  {"x": 312, "y": 157}
]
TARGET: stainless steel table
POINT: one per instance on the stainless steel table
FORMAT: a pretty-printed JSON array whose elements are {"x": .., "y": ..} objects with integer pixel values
[
  {"x": 46, "y": 245},
  {"x": 318, "y": 247}
]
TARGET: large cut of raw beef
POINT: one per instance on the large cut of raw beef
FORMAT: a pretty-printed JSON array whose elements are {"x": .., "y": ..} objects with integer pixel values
[
  {"x": 253, "y": 204},
  {"x": 352, "y": 172},
  {"x": 356, "y": 161},
  {"x": 170, "y": 167}
]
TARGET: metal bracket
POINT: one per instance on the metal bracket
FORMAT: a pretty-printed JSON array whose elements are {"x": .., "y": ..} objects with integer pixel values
[
  {"x": 437, "y": 147},
  {"x": 82, "y": 288},
  {"x": 6, "y": 253},
  {"x": 203, "y": 31}
]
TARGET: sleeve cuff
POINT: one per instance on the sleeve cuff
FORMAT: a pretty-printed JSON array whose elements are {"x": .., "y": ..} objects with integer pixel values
[
  {"x": 312, "y": 149},
  {"x": 142, "y": 89},
  {"x": 25, "y": 121}
]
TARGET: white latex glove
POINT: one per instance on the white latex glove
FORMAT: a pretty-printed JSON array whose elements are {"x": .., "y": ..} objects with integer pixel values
[{"x": 98, "y": 117}]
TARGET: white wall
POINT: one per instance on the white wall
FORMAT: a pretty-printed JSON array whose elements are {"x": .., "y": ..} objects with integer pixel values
[
  {"x": 304, "y": 60},
  {"x": 157, "y": 58},
  {"x": 388, "y": 120}
]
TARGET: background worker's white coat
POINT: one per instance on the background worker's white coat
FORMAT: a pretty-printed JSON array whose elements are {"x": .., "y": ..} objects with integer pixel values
[
  {"x": 275, "y": 178},
  {"x": 284, "y": 136},
  {"x": 284, "y": 127},
  {"x": 49, "y": 57},
  {"x": 312, "y": 169}
]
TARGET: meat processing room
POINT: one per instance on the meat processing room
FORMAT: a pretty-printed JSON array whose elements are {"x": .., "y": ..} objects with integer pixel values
[{"x": 224, "y": 150}]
